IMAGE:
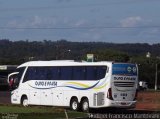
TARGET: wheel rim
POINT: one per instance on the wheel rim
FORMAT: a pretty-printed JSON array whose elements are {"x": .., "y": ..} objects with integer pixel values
[
  {"x": 74, "y": 105},
  {"x": 85, "y": 106},
  {"x": 25, "y": 102}
]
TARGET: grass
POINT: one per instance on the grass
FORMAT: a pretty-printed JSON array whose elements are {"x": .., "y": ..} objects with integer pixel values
[
  {"x": 33, "y": 109},
  {"x": 37, "y": 112}
]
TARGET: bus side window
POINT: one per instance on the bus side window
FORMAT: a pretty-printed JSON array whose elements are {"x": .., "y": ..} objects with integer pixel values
[
  {"x": 54, "y": 73},
  {"x": 30, "y": 74},
  {"x": 66, "y": 73},
  {"x": 79, "y": 73},
  {"x": 20, "y": 70},
  {"x": 42, "y": 73},
  {"x": 101, "y": 72},
  {"x": 91, "y": 73}
]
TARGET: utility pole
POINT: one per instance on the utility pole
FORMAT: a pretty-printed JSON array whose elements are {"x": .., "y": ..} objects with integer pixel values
[
  {"x": 148, "y": 55},
  {"x": 156, "y": 77}
]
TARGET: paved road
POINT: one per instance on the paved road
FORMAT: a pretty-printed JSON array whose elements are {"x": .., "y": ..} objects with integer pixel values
[{"x": 5, "y": 97}]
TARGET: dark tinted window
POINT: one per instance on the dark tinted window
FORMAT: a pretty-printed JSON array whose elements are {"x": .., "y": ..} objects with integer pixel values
[
  {"x": 79, "y": 73},
  {"x": 30, "y": 74},
  {"x": 91, "y": 73},
  {"x": 42, "y": 73},
  {"x": 66, "y": 73},
  {"x": 54, "y": 73},
  {"x": 101, "y": 72},
  {"x": 20, "y": 70},
  {"x": 36, "y": 73}
]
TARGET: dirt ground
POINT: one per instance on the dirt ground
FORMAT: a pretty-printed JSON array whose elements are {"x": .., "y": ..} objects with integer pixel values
[{"x": 148, "y": 100}]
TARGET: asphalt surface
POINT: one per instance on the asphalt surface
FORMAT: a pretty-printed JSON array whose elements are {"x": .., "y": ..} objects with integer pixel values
[{"x": 5, "y": 97}]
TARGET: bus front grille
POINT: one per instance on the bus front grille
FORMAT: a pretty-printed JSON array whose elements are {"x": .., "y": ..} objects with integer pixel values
[{"x": 124, "y": 84}]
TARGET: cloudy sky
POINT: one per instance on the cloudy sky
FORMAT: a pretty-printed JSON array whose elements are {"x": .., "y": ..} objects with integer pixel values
[{"x": 117, "y": 21}]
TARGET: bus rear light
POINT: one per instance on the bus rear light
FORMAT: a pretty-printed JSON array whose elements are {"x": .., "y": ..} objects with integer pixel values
[{"x": 109, "y": 94}]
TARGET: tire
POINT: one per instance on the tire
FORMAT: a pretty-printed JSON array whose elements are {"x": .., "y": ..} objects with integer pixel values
[
  {"x": 85, "y": 105},
  {"x": 24, "y": 101},
  {"x": 74, "y": 105}
]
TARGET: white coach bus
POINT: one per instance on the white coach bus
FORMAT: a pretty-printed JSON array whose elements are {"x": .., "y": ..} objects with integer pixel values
[{"x": 78, "y": 85}]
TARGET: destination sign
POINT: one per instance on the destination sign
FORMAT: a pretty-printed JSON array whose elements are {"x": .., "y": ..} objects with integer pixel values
[{"x": 124, "y": 78}]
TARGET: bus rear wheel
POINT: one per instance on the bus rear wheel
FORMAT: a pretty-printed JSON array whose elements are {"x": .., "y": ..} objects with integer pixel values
[
  {"x": 24, "y": 101},
  {"x": 85, "y": 105},
  {"x": 74, "y": 105}
]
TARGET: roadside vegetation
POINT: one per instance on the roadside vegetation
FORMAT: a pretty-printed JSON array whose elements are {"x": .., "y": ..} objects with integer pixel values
[
  {"x": 18, "y": 52},
  {"x": 38, "y": 112}
]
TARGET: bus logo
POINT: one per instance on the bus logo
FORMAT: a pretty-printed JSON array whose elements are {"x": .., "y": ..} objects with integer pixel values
[{"x": 129, "y": 69}]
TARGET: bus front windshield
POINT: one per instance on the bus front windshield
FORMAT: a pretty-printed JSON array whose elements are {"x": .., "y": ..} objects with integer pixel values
[{"x": 14, "y": 78}]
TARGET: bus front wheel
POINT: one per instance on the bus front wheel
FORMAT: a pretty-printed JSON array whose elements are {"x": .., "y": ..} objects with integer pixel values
[
  {"x": 74, "y": 105},
  {"x": 24, "y": 101}
]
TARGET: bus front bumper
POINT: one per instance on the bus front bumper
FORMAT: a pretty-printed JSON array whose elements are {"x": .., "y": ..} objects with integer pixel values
[{"x": 14, "y": 98}]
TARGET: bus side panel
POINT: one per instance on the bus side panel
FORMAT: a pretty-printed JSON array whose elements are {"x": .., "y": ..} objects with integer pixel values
[
  {"x": 58, "y": 96},
  {"x": 68, "y": 94},
  {"x": 46, "y": 97},
  {"x": 17, "y": 94}
]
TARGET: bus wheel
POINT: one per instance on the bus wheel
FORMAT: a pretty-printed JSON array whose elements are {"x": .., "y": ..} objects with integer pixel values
[
  {"x": 74, "y": 105},
  {"x": 24, "y": 101},
  {"x": 85, "y": 105}
]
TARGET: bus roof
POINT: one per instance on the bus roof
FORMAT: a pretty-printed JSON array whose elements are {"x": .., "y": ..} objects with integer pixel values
[{"x": 62, "y": 63}]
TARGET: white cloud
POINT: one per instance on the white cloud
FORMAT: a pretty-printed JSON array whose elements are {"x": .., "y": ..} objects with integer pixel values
[
  {"x": 46, "y": 22},
  {"x": 38, "y": 21},
  {"x": 35, "y": 21},
  {"x": 131, "y": 21},
  {"x": 12, "y": 23},
  {"x": 80, "y": 23}
]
